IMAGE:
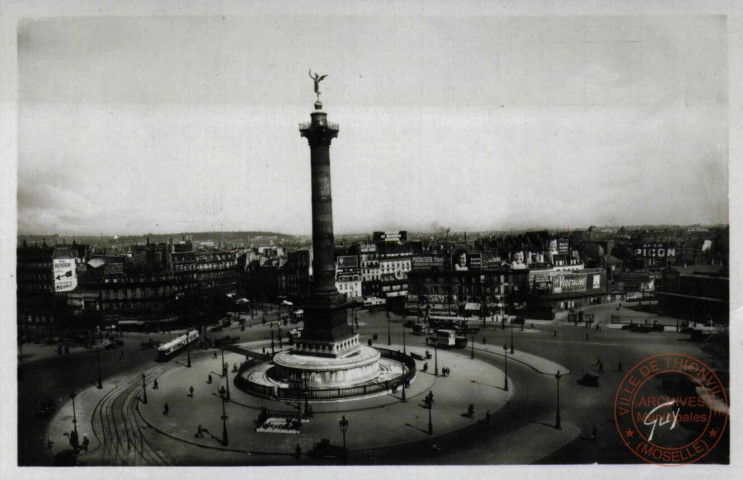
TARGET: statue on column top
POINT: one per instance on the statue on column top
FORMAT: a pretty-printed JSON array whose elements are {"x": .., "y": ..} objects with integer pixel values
[{"x": 317, "y": 79}]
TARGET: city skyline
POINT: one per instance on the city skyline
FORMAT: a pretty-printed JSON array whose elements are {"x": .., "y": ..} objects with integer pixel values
[{"x": 132, "y": 125}]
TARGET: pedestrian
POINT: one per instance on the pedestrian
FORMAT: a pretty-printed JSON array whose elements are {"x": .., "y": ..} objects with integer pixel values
[
  {"x": 199, "y": 433},
  {"x": 49, "y": 444},
  {"x": 470, "y": 410},
  {"x": 555, "y": 333},
  {"x": 484, "y": 340},
  {"x": 121, "y": 355},
  {"x": 86, "y": 442},
  {"x": 297, "y": 451},
  {"x": 209, "y": 381},
  {"x": 586, "y": 337},
  {"x": 166, "y": 409},
  {"x": 425, "y": 367},
  {"x": 619, "y": 367},
  {"x": 190, "y": 391},
  {"x": 215, "y": 355},
  {"x": 155, "y": 385},
  {"x": 598, "y": 360},
  {"x": 487, "y": 416},
  {"x": 601, "y": 366},
  {"x": 234, "y": 367}
]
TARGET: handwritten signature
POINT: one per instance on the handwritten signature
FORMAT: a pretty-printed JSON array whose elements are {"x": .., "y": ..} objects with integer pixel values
[{"x": 660, "y": 419}]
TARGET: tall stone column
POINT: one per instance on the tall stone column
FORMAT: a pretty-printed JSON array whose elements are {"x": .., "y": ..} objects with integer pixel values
[{"x": 326, "y": 331}]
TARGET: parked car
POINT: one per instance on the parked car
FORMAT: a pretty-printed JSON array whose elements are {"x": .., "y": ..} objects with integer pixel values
[
  {"x": 589, "y": 380},
  {"x": 324, "y": 449},
  {"x": 409, "y": 324},
  {"x": 640, "y": 329}
]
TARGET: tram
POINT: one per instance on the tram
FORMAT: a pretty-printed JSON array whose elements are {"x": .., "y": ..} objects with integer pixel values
[{"x": 169, "y": 349}]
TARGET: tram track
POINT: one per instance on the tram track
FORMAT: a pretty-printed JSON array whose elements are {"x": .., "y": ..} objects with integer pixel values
[{"x": 115, "y": 426}]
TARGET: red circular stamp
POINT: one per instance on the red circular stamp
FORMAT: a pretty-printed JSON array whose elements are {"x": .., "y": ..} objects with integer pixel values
[{"x": 671, "y": 409}]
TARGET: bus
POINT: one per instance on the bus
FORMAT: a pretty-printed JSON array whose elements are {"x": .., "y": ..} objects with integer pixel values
[
  {"x": 446, "y": 338},
  {"x": 460, "y": 324}
]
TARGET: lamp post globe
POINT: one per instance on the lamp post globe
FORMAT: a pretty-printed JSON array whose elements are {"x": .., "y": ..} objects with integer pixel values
[{"x": 343, "y": 423}]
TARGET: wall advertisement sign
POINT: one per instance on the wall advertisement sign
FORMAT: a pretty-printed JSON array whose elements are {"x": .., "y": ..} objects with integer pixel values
[
  {"x": 569, "y": 283},
  {"x": 65, "y": 278}
]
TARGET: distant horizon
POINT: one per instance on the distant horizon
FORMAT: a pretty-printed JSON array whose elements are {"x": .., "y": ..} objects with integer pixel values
[{"x": 369, "y": 233}]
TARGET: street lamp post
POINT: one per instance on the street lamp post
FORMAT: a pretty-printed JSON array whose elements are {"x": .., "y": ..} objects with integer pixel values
[
  {"x": 404, "y": 348},
  {"x": 404, "y": 398},
  {"x": 472, "y": 352},
  {"x": 272, "y": 347},
  {"x": 224, "y": 422},
  {"x": 278, "y": 334},
  {"x": 74, "y": 415},
  {"x": 98, "y": 357},
  {"x": 343, "y": 423},
  {"x": 226, "y": 374},
  {"x": 188, "y": 353},
  {"x": 505, "y": 351},
  {"x": 511, "y": 337},
  {"x": 389, "y": 335},
  {"x": 557, "y": 416},
  {"x": 435, "y": 358},
  {"x": 144, "y": 390},
  {"x": 429, "y": 399},
  {"x": 306, "y": 393}
]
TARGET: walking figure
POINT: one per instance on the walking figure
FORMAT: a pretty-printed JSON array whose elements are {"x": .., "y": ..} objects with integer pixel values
[
  {"x": 154, "y": 385},
  {"x": 586, "y": 337},
  {"x": 425, "y": 367},
  {"x": 297, "y": 451},
  {"x": 484, "y": 340},
  {"x": 598, "y": 360},
  {"x": 619, "y": 367},
  {"x": 190, "y": 390},
  {"x": 487, "y": 416},
  {"x": 470, "y": 410},
  {"x": 234, "y": 367},
  {"x": 209, "y": 381},
  {"x": 166, "y": 409},
  {"x": 601, "y": 366},
  {"x": 555, "y": 333},
  {"x": 85, "y": 444},
  {"x": 215, "y": 355},
  {"x": 199, "y": 433}
]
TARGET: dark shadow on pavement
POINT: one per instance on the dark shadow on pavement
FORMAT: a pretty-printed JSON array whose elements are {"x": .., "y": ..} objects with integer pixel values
[
  {"x": 417, "y": 428},
  {"x": 489, "y": 385}
]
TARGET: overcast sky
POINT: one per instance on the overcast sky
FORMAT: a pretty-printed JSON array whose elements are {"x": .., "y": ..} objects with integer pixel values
[{"x": 136, "y": 125}]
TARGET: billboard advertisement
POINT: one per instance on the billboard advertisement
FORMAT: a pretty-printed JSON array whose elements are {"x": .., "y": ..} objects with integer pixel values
[
  {"x": 348, "y": 262},
  {"x": 569, "y": 283},
  {"x": 401, "y": 236},
  {"x": 367, "y": 248},
  {"x": 427, "y": 262},
  {"x": 65, "y": 278},
  {"x": 462, "y": 261},
  {"x": 655, "y": 250}
]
